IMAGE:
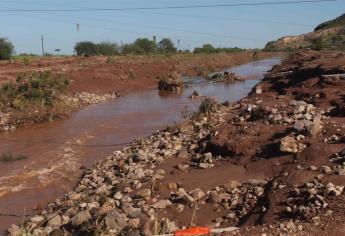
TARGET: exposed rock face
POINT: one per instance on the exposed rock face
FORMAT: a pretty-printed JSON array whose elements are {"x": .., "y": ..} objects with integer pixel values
[
  {"x": 305, "y": 40},
  {"x": 172, "y": 82}
]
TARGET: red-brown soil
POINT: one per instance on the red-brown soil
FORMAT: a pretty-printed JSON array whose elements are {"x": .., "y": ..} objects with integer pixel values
[{"x": 125, "y": 74}]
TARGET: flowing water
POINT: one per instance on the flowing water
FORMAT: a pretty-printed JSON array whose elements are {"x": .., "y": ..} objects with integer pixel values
[{"x": 58, "y": 151}]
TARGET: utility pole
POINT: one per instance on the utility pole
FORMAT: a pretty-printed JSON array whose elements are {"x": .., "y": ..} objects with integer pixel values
[
  {"x": 42, "y": 39},
  {"x": 178, "y": 45}
]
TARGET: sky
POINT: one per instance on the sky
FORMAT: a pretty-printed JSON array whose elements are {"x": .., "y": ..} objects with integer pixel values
[{"x": 241, "y": 26}]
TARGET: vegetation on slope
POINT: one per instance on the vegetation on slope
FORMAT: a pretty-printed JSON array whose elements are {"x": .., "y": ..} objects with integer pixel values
[
  {"x": 34, "y": 97},
  {"x": 339, "y": 21},
  {"x": 327, "y": 36}
]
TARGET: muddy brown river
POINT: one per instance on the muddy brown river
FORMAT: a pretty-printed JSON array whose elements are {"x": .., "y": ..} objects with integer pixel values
[{"x": 58, "y": 151}]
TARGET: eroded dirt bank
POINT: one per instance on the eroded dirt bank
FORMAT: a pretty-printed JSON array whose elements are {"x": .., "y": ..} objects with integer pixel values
[
  {"x": 271, "y": 164},
  {"x": 125, "y": 74},
  {"x": 97, "y": 79}
]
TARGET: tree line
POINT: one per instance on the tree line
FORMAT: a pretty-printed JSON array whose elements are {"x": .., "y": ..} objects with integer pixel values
[{"x": 140, "y": 46}]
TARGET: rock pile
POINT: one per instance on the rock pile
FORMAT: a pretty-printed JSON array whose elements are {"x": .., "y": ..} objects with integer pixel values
[
  {"x": 118, "y": 194},
  {"x": 237, "y": 199},
  {"x": 5, "y": 122},
  {"x": 225, "y": 76},
  {"x": 306, "y": 201},
  {"x": 92, "y": 98}
]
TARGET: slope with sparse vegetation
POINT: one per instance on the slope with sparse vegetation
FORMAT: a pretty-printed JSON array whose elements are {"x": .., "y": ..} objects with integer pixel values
[{"x": 327, "y": 36}]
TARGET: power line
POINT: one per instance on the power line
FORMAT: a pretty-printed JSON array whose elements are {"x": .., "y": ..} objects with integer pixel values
[
  {"x": 264, "y": 21},
  {"x": 110, "y": 28},
  {"x": 167, "y": 28},
  {"x": 167, "y": 7}
]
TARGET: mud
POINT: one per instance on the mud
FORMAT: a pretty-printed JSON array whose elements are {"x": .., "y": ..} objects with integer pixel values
[{"x": 95, "y": 132}]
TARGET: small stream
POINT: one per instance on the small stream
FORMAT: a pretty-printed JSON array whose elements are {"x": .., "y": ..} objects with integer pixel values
[{"x": 58, "y": 151}]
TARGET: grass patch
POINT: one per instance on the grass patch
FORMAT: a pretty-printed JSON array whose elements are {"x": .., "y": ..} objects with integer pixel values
[
  {"x": 41, "y": 89},
  {"x": 36, "y": 97},
  {"x": 7, "y": 157}
]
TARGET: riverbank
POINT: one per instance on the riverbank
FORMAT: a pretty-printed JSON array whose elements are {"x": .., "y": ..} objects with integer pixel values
[
  {"x": 94, "y": 132},
  {"x": 97, "y": 79},
  {"x": 271, "y": 163}
]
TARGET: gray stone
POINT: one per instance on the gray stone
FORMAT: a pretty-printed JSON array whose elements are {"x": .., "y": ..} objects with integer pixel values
[
  {"x": 183, "y": 153},
  {"x": 55, "y": 222},
  {"x": 198, "y": 194},
  {"x": 81, "y": 218},
  {"x": 75, "y": 196},
  {"x": 162, "y": 204},
  {"x": 37, "y": 219},
  {"x": 289, "y": 145},
  {"x": 115, "y": 221},
  {"x": 144, "y": 193}
]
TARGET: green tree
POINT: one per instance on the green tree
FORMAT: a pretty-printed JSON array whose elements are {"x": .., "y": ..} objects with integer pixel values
[
  {"x": 6, "y": 49},
  {"x": 107, "y": 48},
  {"x": 166, "y": 46},
  {"x": 206, "y": 48},
  {"x": 131, "y": 48},
  {"x": 86, "y": 48},
  {"x": 148, "y": 46}
]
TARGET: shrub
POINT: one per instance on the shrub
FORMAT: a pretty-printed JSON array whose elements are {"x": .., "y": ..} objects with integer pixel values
[
  {"x": 166, "y": 46},
  {"x": 107, "y": 49},
  {"x": 132, "y": 49},
  {"x": 140, "y": 46},
  {"x": 149, "y": 46},
  {"x": 41, "y": 89},
  {"x": 206, "y": 48},
  {"x": 208, "y": 105},
  {"x": 26, "y": 61},
  {"x": 6, "y": 49},
  {"x": 86, "y": 48},
  {"x": 6, "y": 157}
]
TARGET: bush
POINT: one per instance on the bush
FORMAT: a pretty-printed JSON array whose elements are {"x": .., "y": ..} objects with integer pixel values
[
  {"x": 6, "y": 49},
  {"x": 149, "y": 46},
  {"x": 140, "y": 46},
  {"x": 10, "y": 157},
  {"x": 132, "y": 49},
  {"x": 209, "y": 48},
  {"x": 107, "y": 48},
  {"x": 41, "y": 89},
  {"x": 86, "y": 48},
  {"x": 206, "y": 48},
  {"x": 166, "y": 46}
]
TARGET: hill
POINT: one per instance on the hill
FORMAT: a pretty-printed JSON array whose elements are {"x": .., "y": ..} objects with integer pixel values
[
  {"x": 339, "y": 21},
  {"x": 329, "y": 35}
]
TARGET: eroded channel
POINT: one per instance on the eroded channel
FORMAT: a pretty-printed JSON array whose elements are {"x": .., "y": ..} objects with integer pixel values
[{"x": 59, "y": 151}]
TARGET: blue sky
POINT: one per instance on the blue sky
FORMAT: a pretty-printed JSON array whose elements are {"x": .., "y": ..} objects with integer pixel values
[{"x": 244, "y": 26}]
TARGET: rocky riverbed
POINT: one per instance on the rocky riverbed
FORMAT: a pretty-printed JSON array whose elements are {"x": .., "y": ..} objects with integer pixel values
[{"x": 270, "y": 164}]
